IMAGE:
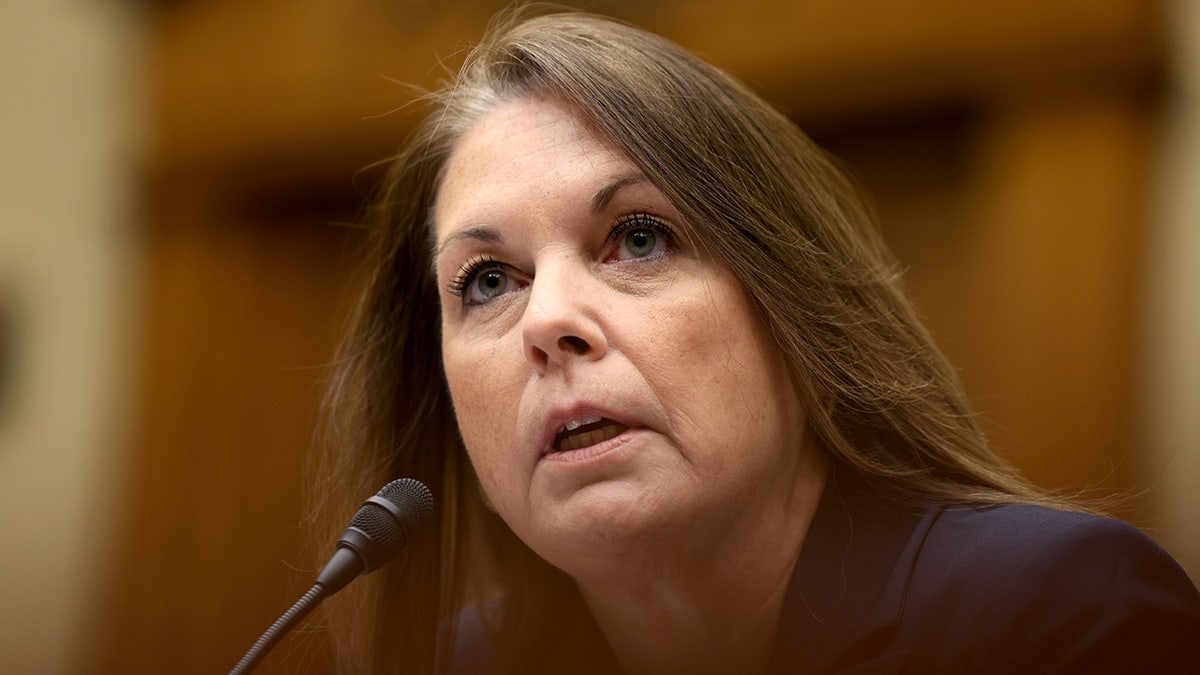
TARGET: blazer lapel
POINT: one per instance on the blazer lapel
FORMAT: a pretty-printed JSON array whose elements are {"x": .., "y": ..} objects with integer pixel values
[{"x": 847, "y": 590}]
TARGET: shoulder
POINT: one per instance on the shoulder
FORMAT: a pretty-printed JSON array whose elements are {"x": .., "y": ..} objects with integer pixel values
[
  {"x": 1008, "y": 538},
  {"x": 1021, "y": 549},
  {"x": 1069, "y": 591}
]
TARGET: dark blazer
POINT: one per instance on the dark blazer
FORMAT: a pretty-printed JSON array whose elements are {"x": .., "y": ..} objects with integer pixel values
[
  {"x": 1006, "y": 589},
  {"x": 884, "y": 588}
]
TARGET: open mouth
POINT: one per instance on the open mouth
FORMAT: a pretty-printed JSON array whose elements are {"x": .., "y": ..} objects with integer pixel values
[{"x": 581, "y": 433}]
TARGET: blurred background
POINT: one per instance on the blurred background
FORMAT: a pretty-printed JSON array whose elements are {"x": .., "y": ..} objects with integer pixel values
[{"x": 179, "y": 178}]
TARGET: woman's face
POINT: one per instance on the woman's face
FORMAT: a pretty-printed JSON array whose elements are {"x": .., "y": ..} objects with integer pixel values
[{"x": 614, "y": 386}]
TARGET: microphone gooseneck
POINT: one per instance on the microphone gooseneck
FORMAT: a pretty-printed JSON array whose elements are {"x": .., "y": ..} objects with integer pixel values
[{"x": 374, "y": 536}]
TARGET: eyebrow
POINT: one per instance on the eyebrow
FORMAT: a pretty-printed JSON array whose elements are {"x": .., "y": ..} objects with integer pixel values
[
  {"x": 605, "y": 194},
  {"x": 480, "y": 233}
]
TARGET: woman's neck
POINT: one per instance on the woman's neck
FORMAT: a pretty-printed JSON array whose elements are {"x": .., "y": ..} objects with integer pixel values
[{"x": 712, "y": 607}]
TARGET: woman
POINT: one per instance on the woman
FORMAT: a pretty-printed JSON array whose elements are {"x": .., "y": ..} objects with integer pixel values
[{"x": 698, "y": 426}]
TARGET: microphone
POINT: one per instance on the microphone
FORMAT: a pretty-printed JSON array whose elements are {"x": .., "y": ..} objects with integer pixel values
[
  {"x": 374, "y": 536},
  {"x": 377, "y": 532}
]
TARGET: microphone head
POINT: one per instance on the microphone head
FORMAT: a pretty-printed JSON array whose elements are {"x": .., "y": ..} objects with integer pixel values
[
  {"x": 381, "y": 527},
  {"x": 412, "y": 497}
]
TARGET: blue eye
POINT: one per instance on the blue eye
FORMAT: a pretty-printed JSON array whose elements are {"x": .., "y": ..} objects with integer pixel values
[
  {"x": 480, "y": 281},
  {"x": 488, "y": 284},
  {"x": 640, "y": 243},
  {"x": 641, "y": 236}
]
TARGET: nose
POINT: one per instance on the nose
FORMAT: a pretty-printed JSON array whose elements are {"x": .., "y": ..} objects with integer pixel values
[{"x": 562, "y": 320}]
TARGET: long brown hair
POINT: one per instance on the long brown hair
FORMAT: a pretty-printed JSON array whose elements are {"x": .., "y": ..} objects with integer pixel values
[{"x": 880, "y": 398}]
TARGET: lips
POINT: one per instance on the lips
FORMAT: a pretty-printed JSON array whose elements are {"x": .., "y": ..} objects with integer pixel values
[{"x": 586, "y": 431}]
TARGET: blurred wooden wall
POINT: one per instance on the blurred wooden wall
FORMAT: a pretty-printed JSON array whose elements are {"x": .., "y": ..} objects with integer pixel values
[{"x": 1005, "y": 146}]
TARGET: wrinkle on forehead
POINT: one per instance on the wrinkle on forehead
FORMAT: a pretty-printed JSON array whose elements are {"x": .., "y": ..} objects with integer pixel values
[{"x": 490, "y": 154}]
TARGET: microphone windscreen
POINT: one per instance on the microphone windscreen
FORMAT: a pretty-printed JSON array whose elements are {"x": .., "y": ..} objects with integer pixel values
[
  {"x": 381, "y": 527},
  {"x": 412, "y": 497}
]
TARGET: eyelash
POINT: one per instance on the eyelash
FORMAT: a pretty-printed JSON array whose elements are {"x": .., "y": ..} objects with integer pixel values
[
  {"x": 467, "y": 273},
  {"x": 641, "y": 221},
  {"x": 635, "y": 221}
]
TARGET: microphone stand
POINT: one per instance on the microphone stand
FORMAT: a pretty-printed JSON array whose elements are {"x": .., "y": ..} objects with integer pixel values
[{"x": 282, "y": 625}]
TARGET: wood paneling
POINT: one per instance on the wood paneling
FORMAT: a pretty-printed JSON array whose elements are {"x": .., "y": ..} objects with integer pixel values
[
  {"x": 240, "y": 318},
  {"x": 239, "y": 81},
  {"x": 1021, "y": 230}
]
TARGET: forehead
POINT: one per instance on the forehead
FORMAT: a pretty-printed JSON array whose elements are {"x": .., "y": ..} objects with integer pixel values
[{"x": 527, "y": 150}]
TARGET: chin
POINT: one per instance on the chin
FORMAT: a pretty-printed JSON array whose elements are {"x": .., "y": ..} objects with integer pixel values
[{"x": 605, "y": 519}]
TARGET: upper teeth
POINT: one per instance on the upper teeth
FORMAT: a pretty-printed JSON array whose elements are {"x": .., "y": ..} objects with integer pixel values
[{"x": 575, "y": 424}]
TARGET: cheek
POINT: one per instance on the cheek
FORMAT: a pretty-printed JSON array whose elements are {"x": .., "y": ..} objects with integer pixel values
[
  {"x": 726, "y": 371},
  {"x": 475, "y": 372},
  {"x": 485, "y": 406}
]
